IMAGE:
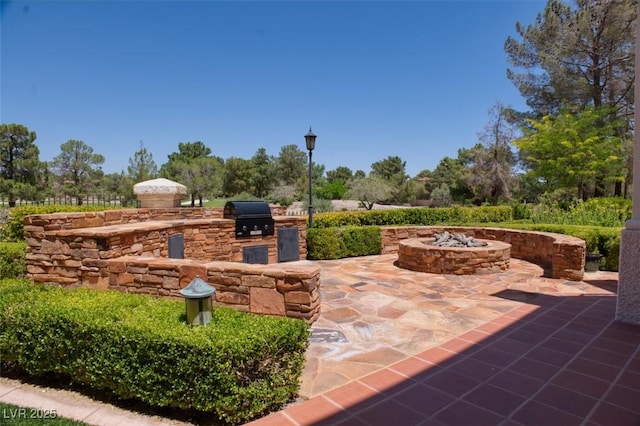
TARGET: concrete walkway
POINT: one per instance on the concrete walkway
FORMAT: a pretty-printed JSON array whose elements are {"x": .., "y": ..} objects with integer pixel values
[{"x": 400, "y": 347}]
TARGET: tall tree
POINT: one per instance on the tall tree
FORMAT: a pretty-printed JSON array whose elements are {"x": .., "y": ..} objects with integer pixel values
[
  {"x": 369, "y": 190},
  {"x": 341, "y": 173},
  {"x": 581, "y": 54},
  {"x": 452, "y": 174},
  {"x": 77, "y": 168},
  {"x": 391, "y": 169},
  {"x": 238, "y": 176},
  {"x": 203, "y": 177},
  {"x": 185, "y": 166},
  {"x": 186, "y": 152},
  {"x": 571, "y": 150},
  {"x": 491, "y": 170},
  {"x": 576, "y": 55},
  {"x": 19, "y": 162},
  {"x": 264, "y": 178},
  {"x": 291, "y": 164},
  {"x": 141, "y": 166}
]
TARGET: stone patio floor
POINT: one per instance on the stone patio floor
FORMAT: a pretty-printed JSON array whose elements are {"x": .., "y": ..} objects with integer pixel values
[
  {"x": 397, "y": 347},
  {"x": 515, "y": 348}
]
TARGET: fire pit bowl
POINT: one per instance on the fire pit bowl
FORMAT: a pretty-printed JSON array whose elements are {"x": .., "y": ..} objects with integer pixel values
[{"x": 419, "y": 254}]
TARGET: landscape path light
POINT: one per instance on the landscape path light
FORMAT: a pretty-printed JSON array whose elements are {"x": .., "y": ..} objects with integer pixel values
[{"x": 197, "y": 297}]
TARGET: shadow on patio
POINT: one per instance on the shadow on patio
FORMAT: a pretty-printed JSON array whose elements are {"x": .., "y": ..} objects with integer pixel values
[{"x": 554, "y": 360}]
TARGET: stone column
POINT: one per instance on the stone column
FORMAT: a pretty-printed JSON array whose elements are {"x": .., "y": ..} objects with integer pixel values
[{"x": 628, "y": 307}]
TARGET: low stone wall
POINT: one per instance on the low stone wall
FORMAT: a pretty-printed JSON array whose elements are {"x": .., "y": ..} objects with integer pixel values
[
  {"x": 87, "y": 249},
  {"x": 261, "y": 289},
  {"x": 562, "y": 254}
]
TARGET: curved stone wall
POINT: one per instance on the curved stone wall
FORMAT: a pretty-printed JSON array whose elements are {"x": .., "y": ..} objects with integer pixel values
[{"x": 562, "y": 255}]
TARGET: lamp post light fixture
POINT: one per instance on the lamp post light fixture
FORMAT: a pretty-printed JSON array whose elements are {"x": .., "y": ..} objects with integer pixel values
[
  {"x": 310, "y": 139},
  {"x": 197, "y": 297}
]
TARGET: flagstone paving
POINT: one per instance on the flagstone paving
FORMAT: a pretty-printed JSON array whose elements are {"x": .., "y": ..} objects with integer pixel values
[
  {"x": 394, "y": 347},
  {"x": 375, "y": 313},
  {"x": 397, "y": 347}
]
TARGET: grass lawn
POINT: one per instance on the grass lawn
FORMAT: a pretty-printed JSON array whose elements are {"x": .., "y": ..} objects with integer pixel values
[{"x": 12, "y": 415}]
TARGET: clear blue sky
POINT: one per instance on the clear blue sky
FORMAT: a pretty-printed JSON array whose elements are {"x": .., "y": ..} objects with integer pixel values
[{"x": 374, "y": 79}]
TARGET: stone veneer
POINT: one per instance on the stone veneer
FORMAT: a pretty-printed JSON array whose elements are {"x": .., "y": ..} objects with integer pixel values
[
  {"x": 274, "y": 289},
  {"x": 418, "y": 254},
  {"x": 91, "y": 248},
  {"x": 562, "y": 254}
]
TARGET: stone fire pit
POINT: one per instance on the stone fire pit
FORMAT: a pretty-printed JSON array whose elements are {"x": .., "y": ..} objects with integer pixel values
[{"x": 473, "y": 256}]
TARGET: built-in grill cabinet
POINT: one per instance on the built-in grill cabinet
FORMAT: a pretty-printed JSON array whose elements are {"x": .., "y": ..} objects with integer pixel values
[{"x": 253, "y": 218}]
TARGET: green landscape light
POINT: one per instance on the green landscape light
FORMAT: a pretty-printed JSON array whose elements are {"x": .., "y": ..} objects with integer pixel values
[{"x": 197, "y": 297}]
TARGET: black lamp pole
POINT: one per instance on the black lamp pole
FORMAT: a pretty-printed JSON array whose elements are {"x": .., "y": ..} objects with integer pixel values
[{"x": 310, "y": 139}]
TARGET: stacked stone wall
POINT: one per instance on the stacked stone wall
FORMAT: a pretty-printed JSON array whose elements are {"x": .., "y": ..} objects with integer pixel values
[
  {"x": 75, "y": 249},
  {"x": 259, "y": 289}
]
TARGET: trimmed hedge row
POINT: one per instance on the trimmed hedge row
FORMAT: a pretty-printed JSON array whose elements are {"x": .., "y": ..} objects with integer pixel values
[
  {"x": 240, "y": 366},
  {"x": 12, "y": 260},
  {"x": 337, "y": 243},
  {"x": 415, "y": 216}
]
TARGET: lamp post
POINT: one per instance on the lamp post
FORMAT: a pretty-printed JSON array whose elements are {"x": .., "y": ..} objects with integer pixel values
[{"x": 310, "y": 139}]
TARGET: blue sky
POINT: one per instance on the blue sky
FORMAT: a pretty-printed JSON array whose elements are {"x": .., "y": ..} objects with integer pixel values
[{"x": 373, "y": 79}]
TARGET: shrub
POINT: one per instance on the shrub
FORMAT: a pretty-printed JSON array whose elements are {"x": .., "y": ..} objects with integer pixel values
[
  {"x": 12, "y": 260},
  {"x": 611, "y": 212},
  {"x": 336, "y": 243},
  {"x": 415, "y": 216},
  {"x": 324, "y": 243},
  {"x": 240, "y": 366}
]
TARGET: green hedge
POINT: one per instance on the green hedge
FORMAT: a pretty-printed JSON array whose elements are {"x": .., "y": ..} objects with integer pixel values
[
  {"x": 414, "y": 216},
  {"x": 240, "y": 366},
  {"x": 336, "y": 243},
  {"x": 12, "y": 260}
]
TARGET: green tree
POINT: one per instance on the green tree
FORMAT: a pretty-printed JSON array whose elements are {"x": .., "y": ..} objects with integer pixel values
[
  {"x": 117, "y": 187},
  {"x": 341, "y": 173},
  {"x": 576, "y": 55},
  {"x": 77, "y": 169},
  {"x": 291, "y": 164},
  {"x": 391, "y": 169},
  {"x": 186, "y": 152},
  {"x": 186, "y": 166},
  {"x": 141, "y": 166},
  {"x": 264, "y": 179},
  {"x": 203, "y": 177},
  {"x": 369, "y": 190},
  {"x": 452, "y": 173},
  {"x": 571, "y": 150},
  {"x": 491, "y": 175},
  {"x": 238, "y": 176},
  {"x": 20, "y": 167},
  {"x": 580, "y": 54}
]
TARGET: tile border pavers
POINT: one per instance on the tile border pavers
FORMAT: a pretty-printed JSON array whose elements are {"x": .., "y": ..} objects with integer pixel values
[{"x": 378, "y": 384}]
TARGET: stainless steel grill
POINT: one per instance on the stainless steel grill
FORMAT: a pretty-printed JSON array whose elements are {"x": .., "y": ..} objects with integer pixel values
[{"x": 253, "y": 218}]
